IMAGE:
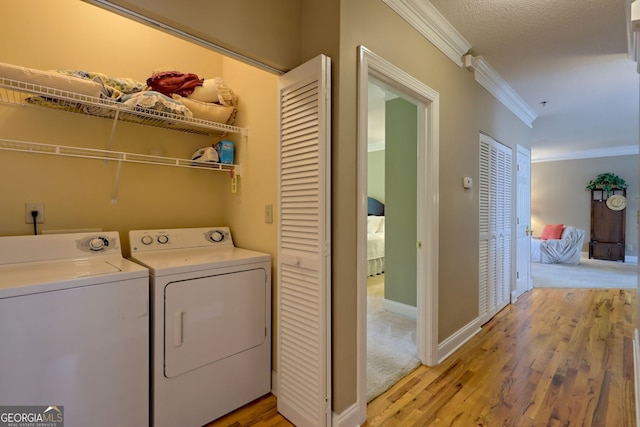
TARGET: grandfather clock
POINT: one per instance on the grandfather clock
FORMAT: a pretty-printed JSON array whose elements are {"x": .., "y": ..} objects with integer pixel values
[{"x": 608, "y": 212}]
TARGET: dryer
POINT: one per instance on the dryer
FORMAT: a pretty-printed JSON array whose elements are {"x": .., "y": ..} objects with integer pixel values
[
  {"x": 211, "y": 323},
  {"x": 74, "y": 328}
]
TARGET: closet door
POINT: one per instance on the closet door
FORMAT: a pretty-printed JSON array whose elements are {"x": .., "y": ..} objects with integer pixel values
[
  {"x": 503, "y": 209},
  {"x": 495, "y": 200},
  {"x": 303, "y": 266},
  {"x": 486, "y": 274}
]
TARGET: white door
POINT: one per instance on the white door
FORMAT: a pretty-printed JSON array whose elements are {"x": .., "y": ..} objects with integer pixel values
[
  {"x": 523, "y": 223},
  {"x": 304, "y": 245}
]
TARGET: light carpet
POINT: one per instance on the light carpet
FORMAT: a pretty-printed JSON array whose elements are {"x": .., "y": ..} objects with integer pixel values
[
  {"x": 391, "y": 343},
  {"x": 590, "y": 273}
]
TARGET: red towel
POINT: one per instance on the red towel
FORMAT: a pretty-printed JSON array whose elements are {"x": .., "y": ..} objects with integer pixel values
[{"x": 168, "y": 82}]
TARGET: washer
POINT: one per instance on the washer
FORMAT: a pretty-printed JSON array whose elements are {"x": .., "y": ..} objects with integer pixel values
[
  {"x": 211, "y": 323},
  {"x": 74, "y": 328}
]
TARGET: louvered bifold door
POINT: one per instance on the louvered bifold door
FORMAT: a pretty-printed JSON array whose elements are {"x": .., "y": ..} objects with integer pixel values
[
  {"x": 303, "y": 267},
  {"x": 485, "y": 276},
  {"x": 495, "y": 199},
  {"x": 505, "y": 230}
]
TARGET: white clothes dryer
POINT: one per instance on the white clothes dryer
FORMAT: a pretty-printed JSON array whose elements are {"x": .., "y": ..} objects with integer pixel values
[
  {"x": 74, "y": 328},
  {"x": 211, "y": 323}
]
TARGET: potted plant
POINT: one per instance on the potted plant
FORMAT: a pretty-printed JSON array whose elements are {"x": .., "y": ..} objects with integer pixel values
[{"x": 606, "y": 181}]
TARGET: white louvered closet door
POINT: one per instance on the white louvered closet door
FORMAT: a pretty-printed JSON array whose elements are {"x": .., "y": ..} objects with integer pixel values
[
  {"x": 495, "y": 200},
  {"x": 304, "y": 304}
]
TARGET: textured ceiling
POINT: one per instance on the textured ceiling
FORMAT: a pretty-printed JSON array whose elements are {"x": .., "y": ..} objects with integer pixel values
[{"x": 571, "y": 54}]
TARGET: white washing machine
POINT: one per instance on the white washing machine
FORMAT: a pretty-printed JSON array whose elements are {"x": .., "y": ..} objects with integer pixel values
[
  {"x": 211, "y": 323},
  {"x": 74, "y": 328}
]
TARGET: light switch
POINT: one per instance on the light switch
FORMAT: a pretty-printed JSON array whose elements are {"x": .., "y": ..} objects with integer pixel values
[
  {"x": 467, "y": 182},
  {"x": 268, "y": 214}
]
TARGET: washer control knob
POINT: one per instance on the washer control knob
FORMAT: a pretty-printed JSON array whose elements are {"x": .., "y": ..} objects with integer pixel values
[
  {"x": 217, "y": 236},
  {"x": 163, "y": 239},
  {"x": 96, "y": 244},
  {"x": 146, "y": 240}
]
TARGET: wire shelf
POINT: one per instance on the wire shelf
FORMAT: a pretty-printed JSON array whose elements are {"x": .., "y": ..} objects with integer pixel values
[
  {"x": 120, "y": 156},
  {"x": 28, "y": 94}
]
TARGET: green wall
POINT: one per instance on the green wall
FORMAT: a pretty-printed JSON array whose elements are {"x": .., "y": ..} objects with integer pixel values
[
  {"x": 376, "y": 175},
  {"x": 401, "y": 136}
]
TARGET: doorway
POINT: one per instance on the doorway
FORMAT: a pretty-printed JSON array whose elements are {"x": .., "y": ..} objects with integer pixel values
[
  {"x": 391, "y": 238},
  {"x": 373, "y": 68}
]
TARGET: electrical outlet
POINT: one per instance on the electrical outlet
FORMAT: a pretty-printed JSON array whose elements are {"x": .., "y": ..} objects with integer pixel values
[
  {"x": 629, "y": 247},
  {"x": 28, "y": 208},
  {"x": 268, "y": 214}
]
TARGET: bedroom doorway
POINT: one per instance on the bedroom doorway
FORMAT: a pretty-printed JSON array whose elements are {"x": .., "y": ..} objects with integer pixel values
[
  {"x": 391, "y": 238},
  {"x": 413, "y": 98}
]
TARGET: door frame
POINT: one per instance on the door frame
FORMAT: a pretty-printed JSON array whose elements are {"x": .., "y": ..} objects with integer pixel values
[{"x": 372, "y": 66}]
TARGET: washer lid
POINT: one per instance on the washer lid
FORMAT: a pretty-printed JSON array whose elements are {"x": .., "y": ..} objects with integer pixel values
[
  {"x": 177, "y": 261},
  {"x": 45, "y": 276}
]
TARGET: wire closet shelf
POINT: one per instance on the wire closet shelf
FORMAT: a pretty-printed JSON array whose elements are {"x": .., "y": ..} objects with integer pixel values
[
  {"x": 29, "y": 94},
  {"x": 14, "y": 92}
]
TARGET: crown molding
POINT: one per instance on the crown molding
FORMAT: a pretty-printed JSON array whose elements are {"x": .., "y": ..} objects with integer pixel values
[
  {"x": 488, "y": 78},
  {"x": 426, "y": 19},
  {"x": 627, "y": 150}
]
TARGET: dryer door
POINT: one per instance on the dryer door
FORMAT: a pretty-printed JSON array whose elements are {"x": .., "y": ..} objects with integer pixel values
[{"x": 209, "y": 318}]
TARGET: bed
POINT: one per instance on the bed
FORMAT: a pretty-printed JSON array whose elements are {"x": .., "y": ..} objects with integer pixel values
[{"x": 375, "y": 237}]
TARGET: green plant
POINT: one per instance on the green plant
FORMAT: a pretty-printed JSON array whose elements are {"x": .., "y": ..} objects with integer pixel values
[{"x": 606, "y": 181}]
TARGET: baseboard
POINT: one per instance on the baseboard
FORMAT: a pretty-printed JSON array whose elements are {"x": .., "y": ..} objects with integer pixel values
[
  {"x": 400, "y": 309},
  {"x": 636, "y": 372},
  {"x": 348, "y": 418},
  {"x": 455, "y": 341},
  {"x": 631, "y": 259}
]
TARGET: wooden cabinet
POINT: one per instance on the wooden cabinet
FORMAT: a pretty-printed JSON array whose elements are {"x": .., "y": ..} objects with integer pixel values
[{"x": 607, "y": 227}]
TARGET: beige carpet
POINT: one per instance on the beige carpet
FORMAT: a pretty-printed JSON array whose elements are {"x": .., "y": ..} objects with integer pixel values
[
  {"x": 391, "y": 342},
  {"x": 590, "y": 273}
]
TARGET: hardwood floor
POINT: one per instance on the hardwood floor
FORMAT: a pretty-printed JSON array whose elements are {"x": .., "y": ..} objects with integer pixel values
[
  {"x": 557, "y": 357},
  {"x": 259, "y": 413}
]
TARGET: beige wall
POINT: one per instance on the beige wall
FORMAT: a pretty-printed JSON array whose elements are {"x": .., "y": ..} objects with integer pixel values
[{"x": 558, "y": 194}]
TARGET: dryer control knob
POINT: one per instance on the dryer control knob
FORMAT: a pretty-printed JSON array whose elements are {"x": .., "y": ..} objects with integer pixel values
[
  {"x": 96, "y": 244},
  {"x": 146, "y": 240},
  {"x": 163, "y": 238},
  {"x": 217, "y": 236}
]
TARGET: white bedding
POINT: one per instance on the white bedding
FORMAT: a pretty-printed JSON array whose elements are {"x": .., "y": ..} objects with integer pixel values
[
  {"x": 375, "y": 245},
  {"x": 50, "y": 79}
]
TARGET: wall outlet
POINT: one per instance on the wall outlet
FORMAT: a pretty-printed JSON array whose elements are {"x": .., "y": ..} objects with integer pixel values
[
  {"x": 629, "y": 247},
  {"x": 28, "y": 208}
]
